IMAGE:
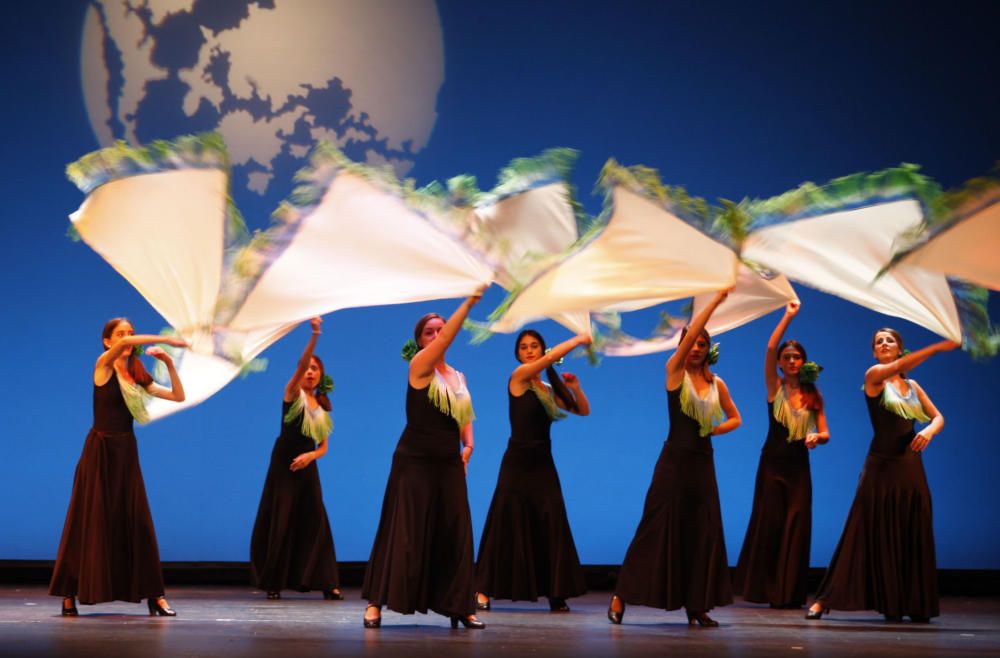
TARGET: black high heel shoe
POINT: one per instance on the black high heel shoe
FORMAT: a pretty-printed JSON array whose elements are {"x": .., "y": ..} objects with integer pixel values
[
  {"x": 332, "y": 595},
  {"x": 374, "y": 623},
  {"x": 557, "y": 604},
  {"x": 468, "y": 622},
  {"x": 616, "y": 616},
  {"x": 273, "y": 595},
  {"x": 817, "y": 614},
  {"x": 483, "y": 606},
  {"x": 70, "y": 610},
  {"x": 161, "y": 609},
  {"x": 701, "y": 619}
]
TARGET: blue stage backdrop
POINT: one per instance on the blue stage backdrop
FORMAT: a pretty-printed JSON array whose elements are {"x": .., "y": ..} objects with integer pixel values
[{"x": 730, "y": 99}]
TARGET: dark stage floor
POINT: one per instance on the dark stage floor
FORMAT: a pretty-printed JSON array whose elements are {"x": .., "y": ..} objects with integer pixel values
[{"x": 235, "y": 621}]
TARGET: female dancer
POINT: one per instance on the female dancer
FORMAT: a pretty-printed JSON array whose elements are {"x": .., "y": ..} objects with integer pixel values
[
  {"x": 527, "y": 548},
  {"x": 885, "y": 558},
  {"x": 774, "y": 562},
  {"x": 422, "y": 555},
  {"x": 678, "y": 555},
  {"x": 108, "y": 549},
  {"x": 291, "y": 546}
]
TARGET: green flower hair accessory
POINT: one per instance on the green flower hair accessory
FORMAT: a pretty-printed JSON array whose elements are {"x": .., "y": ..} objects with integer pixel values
[
  {"x": 410, "y": 349},
  {"x": 555, "y": 363},
  {"x": 325, "y": 384},
  {"x": 809, "y": 372},
  {"x": 713, "y": 355}
]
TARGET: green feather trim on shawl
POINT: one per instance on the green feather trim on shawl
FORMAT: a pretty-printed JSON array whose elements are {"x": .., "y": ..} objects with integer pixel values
[
  {"x": 706, "y": 411},
  {"x": 136, "y": 398},
  {"x": 812, "y": 199},
  {"x": 122, "y": 160},
  {"x": 316, "y": 423},
  {"x": 454, "y": 403},
  {"x": 798, "y": 421},
  {"x": 907, "y": 407},
  {"x": 545, "y": 396}
]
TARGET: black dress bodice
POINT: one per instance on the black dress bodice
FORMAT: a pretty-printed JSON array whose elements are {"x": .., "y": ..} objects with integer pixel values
[
  {"x": 530, "y": 423},
  {"x": 685, "y": 433},
  {"x": 111, "y": 414},
  {"x": 291, "y": 431},
  {"x": 893, "y": 433},
  {"x": 777, "y": 444},
  {"x": 429, "y": 433}
]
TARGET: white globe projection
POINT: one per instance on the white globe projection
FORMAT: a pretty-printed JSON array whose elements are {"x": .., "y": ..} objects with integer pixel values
[{"x": 272, "y": 76}]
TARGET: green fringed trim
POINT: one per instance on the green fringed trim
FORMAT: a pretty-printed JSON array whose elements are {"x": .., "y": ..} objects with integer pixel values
[
  {"x": 615, "y": 337},
  {"x": 729, "y": 223},
  {"x": 797, "y": 421},
  {"x": 908, "y": 407},
  {"x": 316, "y": 423},
  {"x": 252, "y": 366},
  {"x": 207, "y": 150},
  {"x": 544, "y": 396},
  {"x": 707, "y": 412},
  {"x": 326, "y": 159},
  {"x": 457, "y": 404},
  {"x": 136, "y": 398},
  {"x": 841, "y": 193},
  {"x": 480, "y": 331},
  {"x": 947, "y": 209},
  {"x": 507, "y": 302},
  {"x": 521, "y": 174},
  {"x": 964, "y": 200},
  {"x": 979, "y": 338}
]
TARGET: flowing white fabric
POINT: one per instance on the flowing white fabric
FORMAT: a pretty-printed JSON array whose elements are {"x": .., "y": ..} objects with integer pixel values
[
  {"x": 528, "y": 230},
  {"x": 645, "y": 255},
  {"x": 360, "y": 241},
  {"x": 753, "y": 296},
  {"x": 966, "y": 248},
  {"x": 841, "y": 253}
]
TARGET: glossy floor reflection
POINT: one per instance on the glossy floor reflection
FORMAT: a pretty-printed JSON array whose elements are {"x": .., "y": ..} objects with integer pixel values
[{"x": 236, "y": 622}]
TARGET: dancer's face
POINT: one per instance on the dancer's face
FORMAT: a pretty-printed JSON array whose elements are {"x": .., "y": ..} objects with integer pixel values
[
  {"x": 314, "y": 372},
  {"x": 790, "y": 361},
  {"x": 529, "y": 349},
  {"x": 430, "y": 331},
  {"x": 698, "y": 351},
  {"x": 121, "y": 330},
  {"x": 886, "y": 347}
]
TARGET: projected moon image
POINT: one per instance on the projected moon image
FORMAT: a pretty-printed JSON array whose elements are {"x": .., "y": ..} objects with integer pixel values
[{"x": 272, "y": 76}]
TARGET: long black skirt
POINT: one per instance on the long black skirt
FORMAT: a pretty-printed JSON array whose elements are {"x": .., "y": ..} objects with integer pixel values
[
  {"x": 774, "y": 564},
  {"x": 527, "y": 548},
  {"x": 292, "y": 546},
  {"x": 422, "y": 555},
  {"x": 885, "y": 559},
  {"x": 678, "y": 555},
  {"x": 108, "y": 550}
]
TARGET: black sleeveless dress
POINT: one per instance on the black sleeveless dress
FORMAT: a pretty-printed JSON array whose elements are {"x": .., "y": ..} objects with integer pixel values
[
  {"x": 774, "y": 562},
  {"x": 678, "y": 555},
  {"x": 292, "y": 546},
  {"x": 422, "y": 556},
  {"x": 108, "y": 550},
  {"x": 885, "y": 558},
  {"x": 527, "y": 547}
]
